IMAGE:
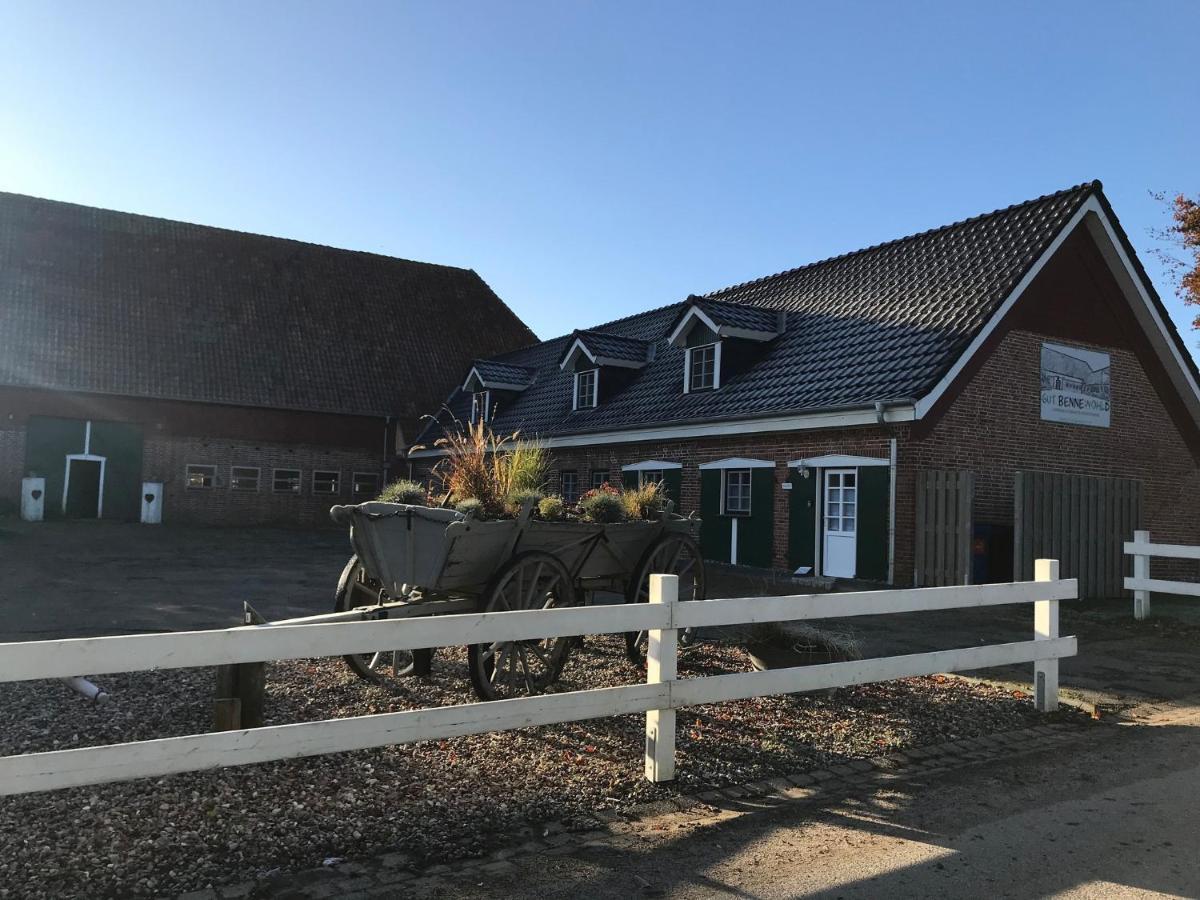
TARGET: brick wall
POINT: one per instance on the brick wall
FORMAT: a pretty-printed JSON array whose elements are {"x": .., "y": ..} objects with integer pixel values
[
  {"x": 779, "y": 448},
  {"x": 166, "y": 459},
  {"x": 262, "y": 439},
  {"x": 994, "y": 431}
]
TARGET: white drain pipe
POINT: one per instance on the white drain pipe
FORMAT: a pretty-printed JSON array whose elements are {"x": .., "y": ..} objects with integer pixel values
[{"x": 82, "y": 686}]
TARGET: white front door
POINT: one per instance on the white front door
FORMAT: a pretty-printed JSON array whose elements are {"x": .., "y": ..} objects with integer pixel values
[{"x": 841, "y": 521}]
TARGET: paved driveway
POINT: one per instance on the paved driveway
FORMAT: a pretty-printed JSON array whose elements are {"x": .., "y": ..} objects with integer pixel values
[{"x": 66, "y": 579}]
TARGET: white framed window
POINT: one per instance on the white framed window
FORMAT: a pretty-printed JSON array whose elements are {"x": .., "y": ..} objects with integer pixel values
[
  {"x": 735, "y": 495},
  {"x": 481, "y": 406},
  {"x": 649, "y": 476},
  {"x": 365, "y": 484},
  {"x": 599, "y": 477},
  {"x": 702, "y": 368},
  {"x": 587, "y": 386},
  {"x": 285, "y": 481},
  {"x": 243, "y": 478},
  {"x": 569, "y": 486},
  {"x": 841, "y": 502},
  {"x": 201, "y": 477},
  {"x": 326, "y": 482}
]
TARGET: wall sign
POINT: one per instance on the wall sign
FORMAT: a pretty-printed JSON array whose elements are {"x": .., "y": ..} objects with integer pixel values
[{"x": 1075, "y": 386}]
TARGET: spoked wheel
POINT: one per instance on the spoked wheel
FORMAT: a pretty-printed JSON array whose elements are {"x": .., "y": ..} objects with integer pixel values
[
  {"x": 672, "y": 554},
  {"x": 504, "y": 669},
  {"x": 356, "y": 588}
]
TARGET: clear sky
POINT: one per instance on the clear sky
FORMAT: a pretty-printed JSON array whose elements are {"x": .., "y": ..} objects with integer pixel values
[{"x": 591, "y": 160}]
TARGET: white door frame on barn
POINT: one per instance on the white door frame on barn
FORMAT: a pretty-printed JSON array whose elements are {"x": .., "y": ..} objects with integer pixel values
[{"x": 85, "y": 456}]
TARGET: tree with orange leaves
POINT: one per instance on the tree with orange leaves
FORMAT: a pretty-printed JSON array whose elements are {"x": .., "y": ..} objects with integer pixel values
[{"x": 1184, "y": 233}]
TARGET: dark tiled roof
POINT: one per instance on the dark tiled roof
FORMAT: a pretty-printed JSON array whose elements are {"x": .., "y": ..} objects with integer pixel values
[
  {"x": 101, "y": 301},
  {"x": 494, "y": 372},
  {"x": 738, "y": 315},
  {"x": 880, "y": 324},
  {"x": 613, "y": 346}
]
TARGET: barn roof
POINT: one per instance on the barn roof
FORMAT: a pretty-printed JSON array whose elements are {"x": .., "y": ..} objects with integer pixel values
[{"x": 95, "y": 300}]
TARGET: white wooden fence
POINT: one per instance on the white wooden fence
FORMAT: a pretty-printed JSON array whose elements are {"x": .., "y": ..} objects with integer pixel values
[
  {"x": 1142, "y": 584},
  {"x": 659, "y": 697}
]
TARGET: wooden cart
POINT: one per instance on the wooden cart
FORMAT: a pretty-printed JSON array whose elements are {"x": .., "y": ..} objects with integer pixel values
[{"x": 416, "y": 560}]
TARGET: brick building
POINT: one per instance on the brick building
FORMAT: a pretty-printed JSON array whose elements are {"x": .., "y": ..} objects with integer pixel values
[
  {"x": 810, "y": 416},
  {"x": 256, "y": 379}
]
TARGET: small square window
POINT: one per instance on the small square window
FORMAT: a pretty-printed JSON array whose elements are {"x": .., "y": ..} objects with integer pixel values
[
  {"x": 599, "y": 477},
  {"x": 201, "y": 478},
  {"x": 286, "y": 481},
  {"x": 585, "y": 388},
  {"x": 326, "y": 482},
  {"x": 243, "y": 478},
  {"x": 569, "y": 486},
  {"x": 481, "y": 402},
  {"x": 737, "y": 492},
  {"x": 702, "y": 368},
  {"x": 650, "y": 476},
  {"x": 366, "y": 484}
]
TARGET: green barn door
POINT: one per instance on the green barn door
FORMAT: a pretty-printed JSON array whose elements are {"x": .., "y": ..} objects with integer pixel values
[
  {"x": 802, "y": 521},
  {"x": 121, "y": 446},
  {"x": 714, "y": 527},
  {"x": 871, "y": 554}
]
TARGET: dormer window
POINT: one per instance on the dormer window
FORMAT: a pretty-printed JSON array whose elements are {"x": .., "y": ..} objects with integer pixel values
[
  {"x": 703, "y": 369},
  {"x": 587, "y": 385},
  {"x": 481, "y": 406}
]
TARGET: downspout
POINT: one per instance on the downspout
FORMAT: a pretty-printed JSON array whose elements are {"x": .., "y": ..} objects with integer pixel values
[{"x": 892, "y": 512}]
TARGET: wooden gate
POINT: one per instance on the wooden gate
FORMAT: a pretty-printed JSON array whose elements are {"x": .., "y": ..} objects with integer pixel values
[
  {"x": 1084, "y": 519},
  {"x": 944, "y": 503}
]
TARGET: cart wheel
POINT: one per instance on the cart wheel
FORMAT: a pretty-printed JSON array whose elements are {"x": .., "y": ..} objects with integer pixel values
[
  {"x": 368, "y": 666},
  {"x": 531, "y": 580},
  {"x": 671, "y": 554}
]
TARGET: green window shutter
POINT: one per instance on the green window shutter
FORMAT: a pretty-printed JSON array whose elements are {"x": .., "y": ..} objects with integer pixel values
[
  {"x": 714, "y": 527},
  {"x": 802, "y": 520},
  {"x": 871, "y": 562},
  {"x": 756, "y": 531},
  {"x": 630, "y": 480},
  {"x": 673, "y": 487}
]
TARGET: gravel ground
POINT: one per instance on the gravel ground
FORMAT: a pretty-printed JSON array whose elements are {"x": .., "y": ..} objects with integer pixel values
[{"x": 436, "y": 800}]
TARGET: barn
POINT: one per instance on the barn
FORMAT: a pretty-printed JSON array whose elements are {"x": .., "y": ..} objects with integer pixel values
[
  {"x": 938, "y": 409},
  {"x": 163, "y": 370}
]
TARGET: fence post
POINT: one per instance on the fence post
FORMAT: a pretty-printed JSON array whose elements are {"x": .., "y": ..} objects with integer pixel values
[
  {"x": 661, "y": 667},
  {"x": 1141, "y": 569},
  {"x": 1045, "y": 627}
]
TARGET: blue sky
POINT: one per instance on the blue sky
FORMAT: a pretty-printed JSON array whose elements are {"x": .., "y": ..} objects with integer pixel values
[{"x": 591, "y": 160}]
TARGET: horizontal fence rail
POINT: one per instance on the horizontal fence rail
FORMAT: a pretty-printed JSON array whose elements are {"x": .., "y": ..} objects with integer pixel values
[
  {"x": 1141, "y": 549},
  {"x": 659, "y": 697},
  {"x": 29, "y": 660}
]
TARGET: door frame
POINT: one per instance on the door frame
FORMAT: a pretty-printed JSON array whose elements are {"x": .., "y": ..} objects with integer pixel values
[
  {"x": 819, "y": 465},
  {"x": 825, "y": 473},
  {"x": 84, "y": 457}
]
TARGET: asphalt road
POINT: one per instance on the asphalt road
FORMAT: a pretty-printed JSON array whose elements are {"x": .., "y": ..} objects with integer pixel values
[
  {"x": 1117, "y": 817},
  {"x": 75, "y": 579}
]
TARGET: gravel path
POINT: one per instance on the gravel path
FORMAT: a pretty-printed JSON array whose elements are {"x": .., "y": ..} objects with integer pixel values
[{"x": 436, "y": 800}]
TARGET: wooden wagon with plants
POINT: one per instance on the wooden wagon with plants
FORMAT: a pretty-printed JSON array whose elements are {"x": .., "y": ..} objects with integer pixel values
[{"x": 489, "y": 540}]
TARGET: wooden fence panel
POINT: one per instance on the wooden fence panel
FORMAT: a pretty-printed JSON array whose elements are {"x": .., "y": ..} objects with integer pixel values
[
  {"x": 1080, "y": 520},
  {"x": 944, "y": 517}
]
